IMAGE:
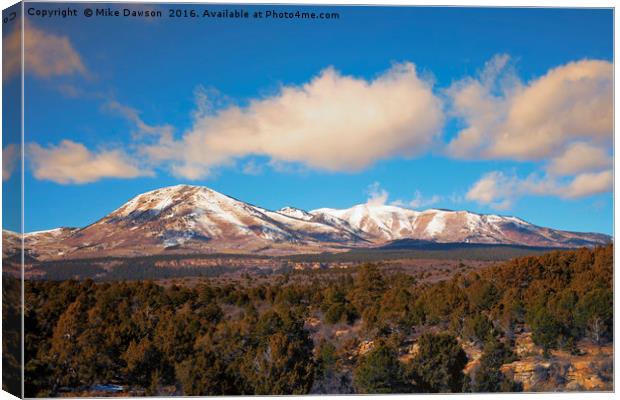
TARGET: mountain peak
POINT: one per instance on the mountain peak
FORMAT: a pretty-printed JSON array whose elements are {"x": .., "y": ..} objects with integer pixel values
[
  {"x": 176, "y": 189},
  {"x": 184, "y": 196}
]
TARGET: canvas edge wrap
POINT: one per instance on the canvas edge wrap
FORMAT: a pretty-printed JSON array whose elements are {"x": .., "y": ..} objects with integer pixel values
[{"x": 12, "y": 209}]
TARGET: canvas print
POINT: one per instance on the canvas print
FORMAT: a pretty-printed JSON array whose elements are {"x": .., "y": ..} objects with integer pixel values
[{"x": 232, "y": 199}]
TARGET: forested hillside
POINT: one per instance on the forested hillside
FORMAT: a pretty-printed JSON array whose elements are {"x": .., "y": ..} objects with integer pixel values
[{"x": 366, "y": 330}]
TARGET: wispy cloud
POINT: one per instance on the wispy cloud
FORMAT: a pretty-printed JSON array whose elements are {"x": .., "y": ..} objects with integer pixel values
[
  {"x": 162, "y": 132},
  {"x": 377, "y": 196},
  {"x": 420, "y": 201}
]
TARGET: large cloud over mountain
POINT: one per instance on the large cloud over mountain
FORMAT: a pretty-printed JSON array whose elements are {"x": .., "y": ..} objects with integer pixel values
[{"x": 333, "y": 122}]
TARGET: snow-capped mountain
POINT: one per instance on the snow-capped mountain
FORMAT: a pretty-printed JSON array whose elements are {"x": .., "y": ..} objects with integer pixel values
[
  {"x": 383, "y": 223},
  {"x": 195, "y": 219},
  {"x": 200, "y": 219}
]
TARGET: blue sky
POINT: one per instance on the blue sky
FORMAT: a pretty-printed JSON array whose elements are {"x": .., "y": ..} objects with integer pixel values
[{"x": 121, "y": 85}]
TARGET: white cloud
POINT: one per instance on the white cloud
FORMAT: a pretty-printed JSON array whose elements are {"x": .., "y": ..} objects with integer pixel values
[
  {"x": 538, "y": 120},
  {"x": 46, "y": 54},
  {"x": 580, "y": 157},
  {"x": 71, "y": 162},
  {"x": 499, "y": 190},
  {"x": 588, "y": 184},
  {"x": 494, "y": 189},
  {"x": 10, "y": 158},
  {"x": 377, "y": 196},
  {"x": 333, "y": 123},
  {"x": 563, "y": 119}
]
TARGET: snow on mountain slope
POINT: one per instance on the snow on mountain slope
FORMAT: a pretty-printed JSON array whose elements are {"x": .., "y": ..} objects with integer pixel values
[
  {"x": 379, "y": 222},
  {"x": 295, "y": 213}
]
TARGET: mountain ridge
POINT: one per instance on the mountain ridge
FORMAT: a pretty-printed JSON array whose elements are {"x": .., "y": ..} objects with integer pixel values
[{"x": 197, "y": 219}]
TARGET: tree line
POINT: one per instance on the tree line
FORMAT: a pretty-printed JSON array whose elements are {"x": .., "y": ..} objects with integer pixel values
[{"x": 254, "y": 339}]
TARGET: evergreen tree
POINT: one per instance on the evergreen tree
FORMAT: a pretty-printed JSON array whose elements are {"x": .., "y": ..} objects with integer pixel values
[
  {"x": 488, "y": 376},
  {"x": 438, "y": 364},
  {"x": 379, "y": 371},
  {"x": 545, "y": 328}
]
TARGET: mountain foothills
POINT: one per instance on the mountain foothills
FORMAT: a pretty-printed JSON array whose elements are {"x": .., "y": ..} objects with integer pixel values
[{"x": 195, "y": 219}]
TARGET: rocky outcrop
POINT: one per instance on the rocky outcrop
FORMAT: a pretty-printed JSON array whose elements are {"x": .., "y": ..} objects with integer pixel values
[{"x": 592, "y": 369}]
